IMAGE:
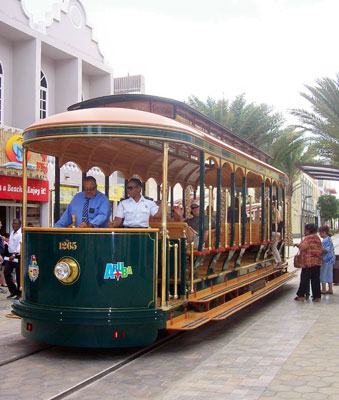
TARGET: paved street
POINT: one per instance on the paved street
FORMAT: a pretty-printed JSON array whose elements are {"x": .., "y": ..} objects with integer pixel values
[{"x": 275, "y": 349}]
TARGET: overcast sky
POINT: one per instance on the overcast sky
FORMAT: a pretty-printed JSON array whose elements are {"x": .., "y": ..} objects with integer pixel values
[{"x": 267, "y": 49}]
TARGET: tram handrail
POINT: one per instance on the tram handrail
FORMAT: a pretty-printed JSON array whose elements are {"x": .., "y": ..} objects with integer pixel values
[{"x": 93, "y": 230}]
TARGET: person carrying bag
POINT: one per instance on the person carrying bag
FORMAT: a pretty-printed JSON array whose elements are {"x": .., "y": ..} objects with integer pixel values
[{"x": 310, "y": 260}]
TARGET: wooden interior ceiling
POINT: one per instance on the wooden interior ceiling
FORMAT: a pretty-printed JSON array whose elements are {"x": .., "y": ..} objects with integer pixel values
[
  {"x": 254, "y": 180},
  {"x": 127, "y": 156},
  {"x": 133, "y": 157}
]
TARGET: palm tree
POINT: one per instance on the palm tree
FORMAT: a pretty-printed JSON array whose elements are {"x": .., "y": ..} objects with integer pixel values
[
  {"x": 256, "y": 123},
  {"x": 323, "y": 122},
  {"x": 289, "y": 148}
]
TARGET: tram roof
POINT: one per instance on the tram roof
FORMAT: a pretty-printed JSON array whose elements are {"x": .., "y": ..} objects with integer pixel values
[
  {"x": 162, "y": 106},
  {"x": 82, "y": 136}
]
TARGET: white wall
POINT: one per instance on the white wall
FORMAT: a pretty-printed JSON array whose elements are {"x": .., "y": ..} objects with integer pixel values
[
  {"x": 86, "y": 85},
  {"x": 26, "y": 82},
  {"x": 7, "y": 67},
  {"x": 101, "y": 85},
  {"x": 68, "y": 83}
]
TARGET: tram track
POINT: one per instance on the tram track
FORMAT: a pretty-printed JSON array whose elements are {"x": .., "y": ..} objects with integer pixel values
[
  {"x": 22, "y": 356},
  {"x": 115, "y": 367},
  {"x": 21, "y": 361}
]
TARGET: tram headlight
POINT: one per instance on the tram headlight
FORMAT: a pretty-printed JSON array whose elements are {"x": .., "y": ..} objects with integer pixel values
[
  {"x": 67, "y": 270},
  {"x": 62, "y": 271}
]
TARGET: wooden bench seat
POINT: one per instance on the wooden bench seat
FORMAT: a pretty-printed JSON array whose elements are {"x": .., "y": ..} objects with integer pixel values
[
  {"x": 176, "y": 230},
  {"x": 256, "y": 228},
  {"x": 216, "y": 291}
]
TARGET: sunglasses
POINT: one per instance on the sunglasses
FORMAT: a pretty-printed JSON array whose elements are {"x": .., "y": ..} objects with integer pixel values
[
  {"x": 90, "y": 189},
  {"x": 193, "y": 208},
  {"x": 131, "y": 187}
]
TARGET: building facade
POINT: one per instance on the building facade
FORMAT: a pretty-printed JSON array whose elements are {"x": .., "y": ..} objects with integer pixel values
[
  {"x": 44, "y": 68},
  {"x": 304, "y": 204},
  {"x": 129, "y": 84}
]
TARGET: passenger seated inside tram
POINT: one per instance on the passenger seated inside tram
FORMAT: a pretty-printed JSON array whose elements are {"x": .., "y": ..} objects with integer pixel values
[
  {"x": 169, "y": 216},
  {"x": 193, "y": 222},
  {"x": 135, "y": 211},
  {"x": 90, "y": 207}
]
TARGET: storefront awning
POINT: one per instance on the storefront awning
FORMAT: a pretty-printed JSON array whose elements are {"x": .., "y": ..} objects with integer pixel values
[{"x": 320, "y": 171}]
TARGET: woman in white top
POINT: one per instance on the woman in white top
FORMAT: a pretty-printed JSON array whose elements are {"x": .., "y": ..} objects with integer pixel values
[{"x": 135, "y": 211}]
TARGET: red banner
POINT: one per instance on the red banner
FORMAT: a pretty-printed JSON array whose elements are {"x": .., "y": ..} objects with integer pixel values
[{"x": 11, "y": 189}]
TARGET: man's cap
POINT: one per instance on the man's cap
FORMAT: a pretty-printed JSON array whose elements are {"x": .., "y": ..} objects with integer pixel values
[{"x": 195, "y": 203}]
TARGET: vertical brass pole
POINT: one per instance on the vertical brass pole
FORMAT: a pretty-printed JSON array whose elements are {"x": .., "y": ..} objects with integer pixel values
[
  {"x": 24, "y": 190},
  {"x": 175, "y": 270},
  {"x": 202, "y": 226},
  {"x": 226, "y": 216},
  {"x": 282, "y": 231},
  {"x": 192, "y": 266},
  {"x": 210, "y": 202},
  {"x": 24, "y": 221},
  {"x": 156, "y": 264},
  {"x": 50, "y": 207},
  {"x": 287, "y": 229},
  {"x": 164, "y": 225},
  {"x": 250, "y": 222},
  {"x": 268, "y": 218},
  {"x": 276, "y": 218},
  {"x": 239, "y": 219}
]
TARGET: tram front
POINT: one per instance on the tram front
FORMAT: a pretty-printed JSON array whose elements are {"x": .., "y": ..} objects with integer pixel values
[{"x": 88, "y": 287}]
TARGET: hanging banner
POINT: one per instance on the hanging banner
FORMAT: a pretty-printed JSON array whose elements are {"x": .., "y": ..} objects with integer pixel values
[
  {"x": 67, "y": 193},
  {"x": 11, "y": 189},
  {"x": 116, "y": 193}
]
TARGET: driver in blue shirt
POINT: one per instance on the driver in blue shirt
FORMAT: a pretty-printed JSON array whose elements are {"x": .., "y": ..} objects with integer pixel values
[{"x": 90, "y": 207}]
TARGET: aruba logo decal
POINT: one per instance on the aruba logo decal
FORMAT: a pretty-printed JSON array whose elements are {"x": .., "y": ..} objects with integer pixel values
[
  {"x": 117, "y": 271},
  {"x": 15, "y": 153}
]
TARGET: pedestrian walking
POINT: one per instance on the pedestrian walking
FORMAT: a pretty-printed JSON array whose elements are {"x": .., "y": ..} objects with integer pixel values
[
  {"x": 326, "y": 270},
  {"x": 311, "y": 260},
  {"x": 12, "y": 262}
]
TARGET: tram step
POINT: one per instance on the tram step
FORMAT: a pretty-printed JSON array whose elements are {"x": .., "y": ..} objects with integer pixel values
[
  {"x": 206, "y": 295},
  {"x": 225, "y": 310},
  {"x": 187, "y": 322},
  {"x": 190, "y": 320}
]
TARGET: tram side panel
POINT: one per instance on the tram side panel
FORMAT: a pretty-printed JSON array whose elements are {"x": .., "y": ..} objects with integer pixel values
[{"x": 109, "y": 302}]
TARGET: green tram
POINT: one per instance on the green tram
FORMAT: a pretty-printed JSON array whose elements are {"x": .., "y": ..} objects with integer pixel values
[{"x": 120, "y": 286}]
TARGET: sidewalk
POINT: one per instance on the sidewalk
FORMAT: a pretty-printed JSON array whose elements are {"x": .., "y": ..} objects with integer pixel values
[{"x": 275, "y": 349}]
